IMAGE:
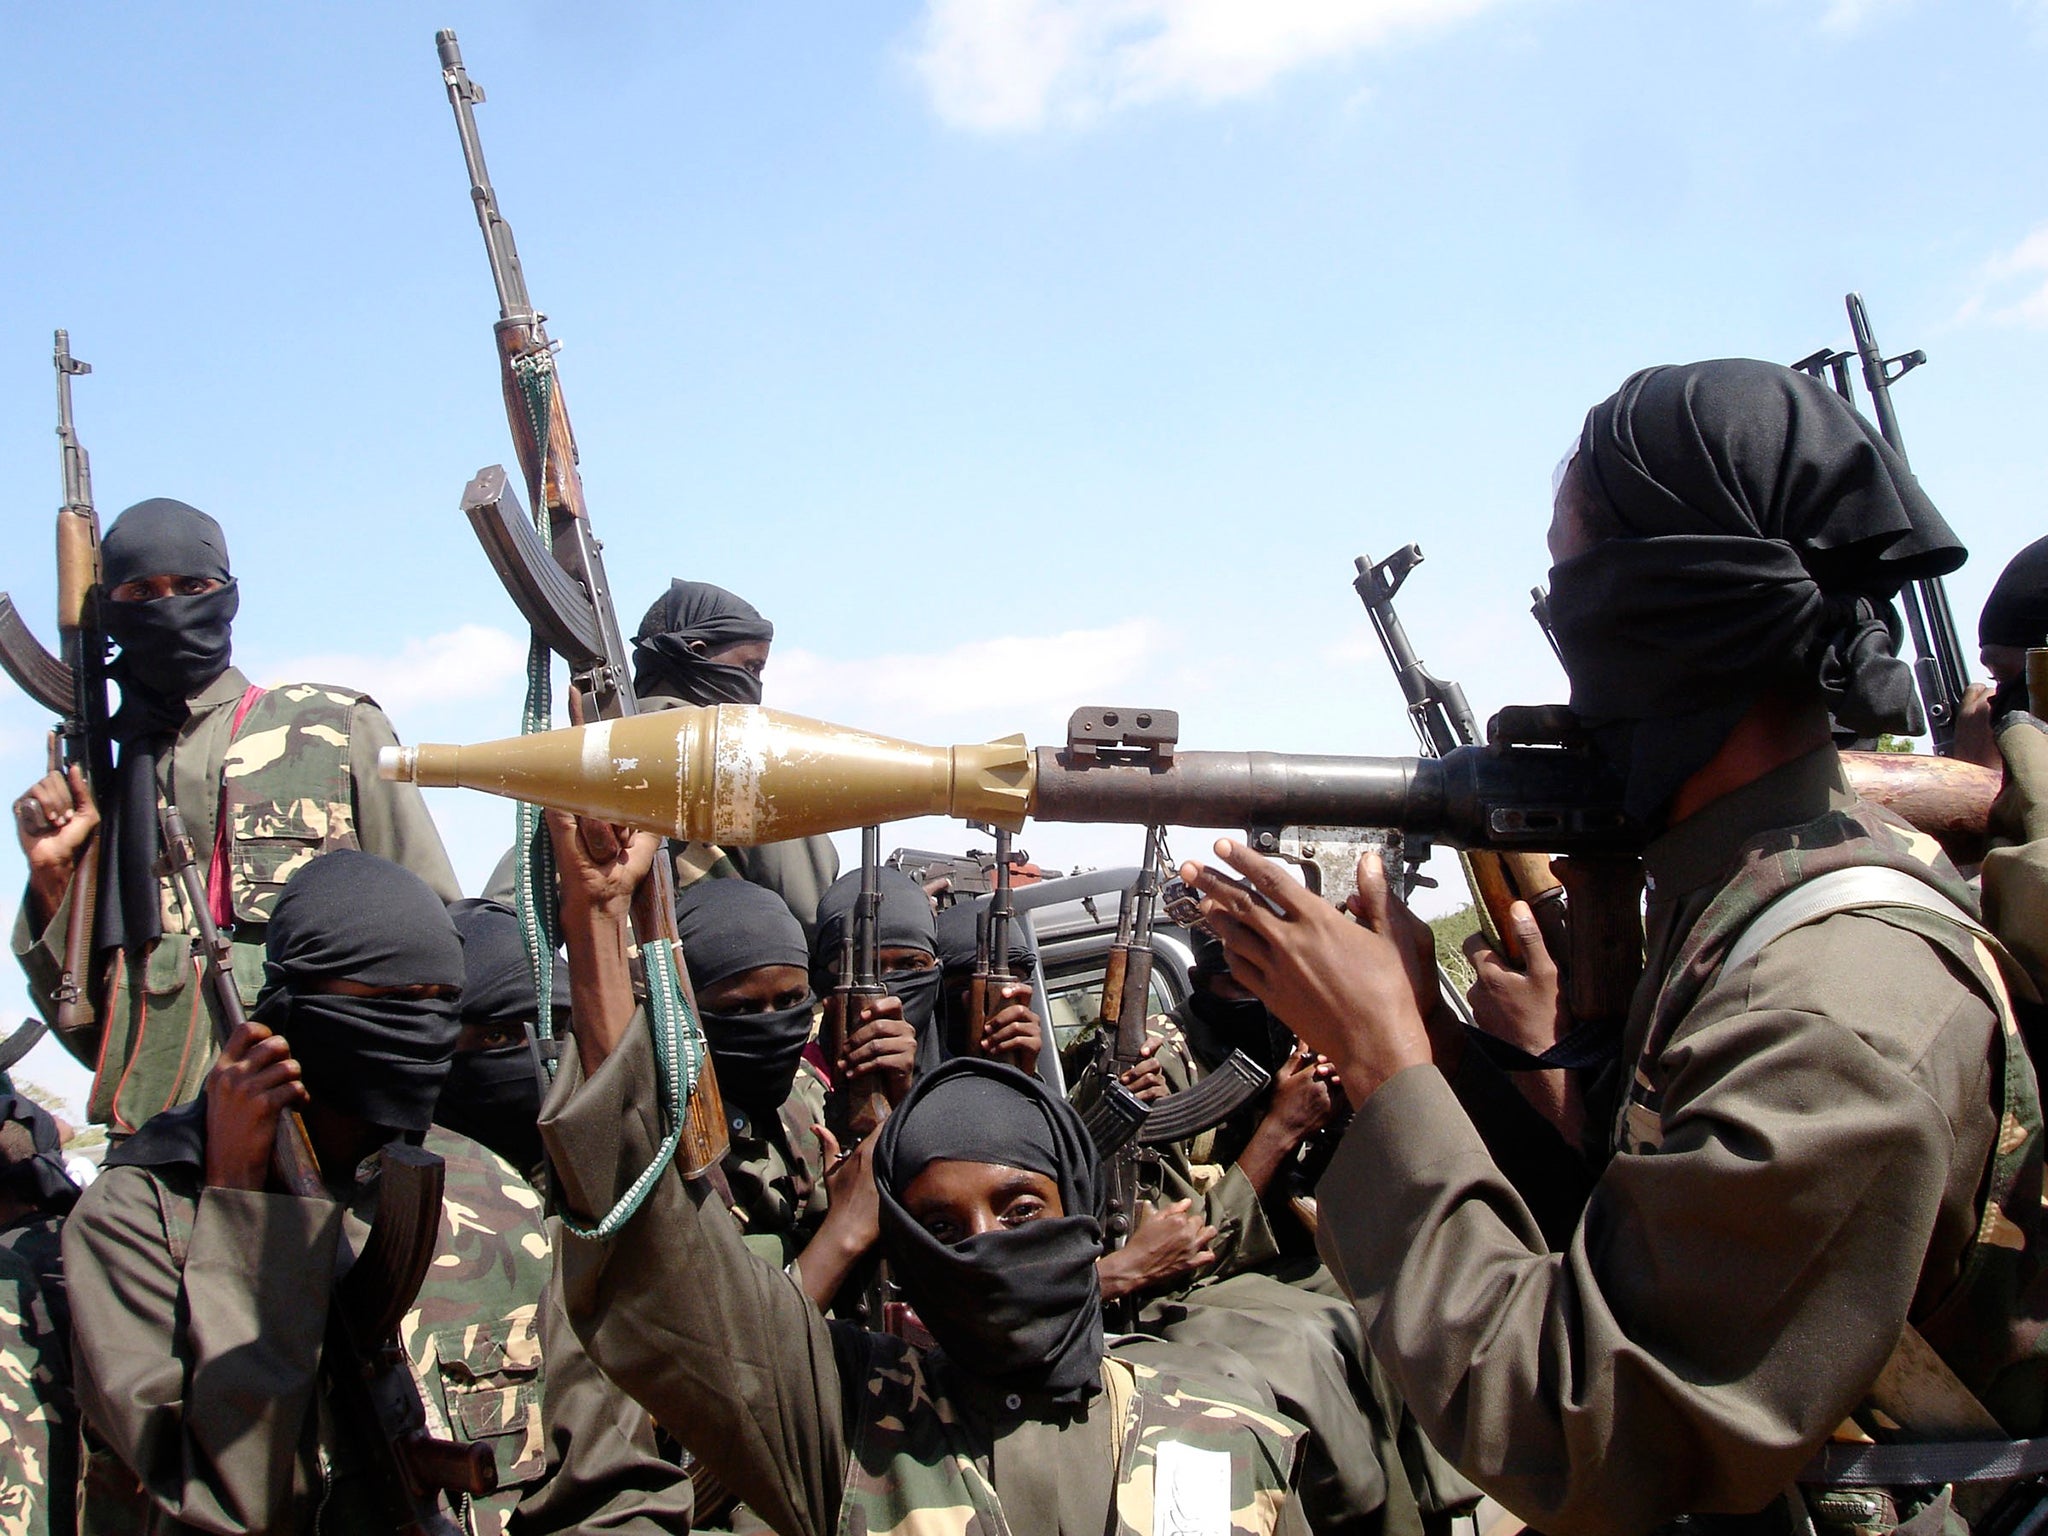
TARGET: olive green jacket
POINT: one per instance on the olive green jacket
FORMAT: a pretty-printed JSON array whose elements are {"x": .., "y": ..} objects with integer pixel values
[
  {"x": 1744, "y": 1264},
  {"x": 200, "y": 1314},
  {"x": 731, "y": 1357}
]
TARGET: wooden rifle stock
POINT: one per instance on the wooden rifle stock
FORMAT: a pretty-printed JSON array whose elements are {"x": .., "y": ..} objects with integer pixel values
[
  {"x": 83, "y": 644},
  {"x": 546, "y": 447}
]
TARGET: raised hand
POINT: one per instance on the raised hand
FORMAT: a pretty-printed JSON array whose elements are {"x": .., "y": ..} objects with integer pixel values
[
  {"x": 253, "y": 1081},
  {"x": 53, "y": 818},
  {"x": 1345, "y": 985}
]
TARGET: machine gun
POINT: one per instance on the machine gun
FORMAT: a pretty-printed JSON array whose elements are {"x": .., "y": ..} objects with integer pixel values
[
  {"x": 1939, "y": 667},
  {"x": 859, "y": 1108},
  {"x": 553, "y": 567},
  {"x": 73, "y": 685},
  {"x": 364, "y": 1360}
]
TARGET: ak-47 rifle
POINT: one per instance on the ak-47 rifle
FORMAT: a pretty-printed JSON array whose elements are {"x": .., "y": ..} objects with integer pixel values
[
  {"x": 74, "y": 684},
  {"x": 560, "y": 585},
  {"x": 1120, "y": 1124},
  {"x": 1940, "y": 666},
  {"x": 364, "y": 1360},
  {"x": 992, "y": 927},
  {"x": 1595, "y": 936},
  {"x": 1118, "y": 1114},
  {"x": 1443, "y": 722},
  {"x": 967, "y": 875},
  {"x": 859, "y": 1107}
]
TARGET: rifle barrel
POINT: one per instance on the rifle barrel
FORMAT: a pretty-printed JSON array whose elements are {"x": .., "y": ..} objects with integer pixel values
[{"x": 463, "y": 95}]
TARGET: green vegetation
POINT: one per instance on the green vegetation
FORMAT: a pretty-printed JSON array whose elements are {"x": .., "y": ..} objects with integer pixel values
[{"x": 1451, "y": 930}]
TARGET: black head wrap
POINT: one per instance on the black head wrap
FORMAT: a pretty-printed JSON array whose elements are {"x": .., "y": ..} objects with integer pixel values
[
  {"x": 729, "y": 927},
  {"x": 1019, "y": 1309},
  {"x": 493, "y": 1095},
  {"x": 32, "y": 1157},
  {"x": 691, "y": 618},
  {"x": 904, "y": 922},
  {"x": 351, "y": 916},
  {"x": 959, "y": 942},
  {"x": 2016, "y": 613},
  {"x": 170, "y": 649},
  {"x": 1752, "y": 531}
]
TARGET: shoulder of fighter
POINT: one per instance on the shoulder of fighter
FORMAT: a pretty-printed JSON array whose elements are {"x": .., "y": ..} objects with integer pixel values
[
  {"x": 492, "y": 1256},
  {"x": 474, "y": 1330}
]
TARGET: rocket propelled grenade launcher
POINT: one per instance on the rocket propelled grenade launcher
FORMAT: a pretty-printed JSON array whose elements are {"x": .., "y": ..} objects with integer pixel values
[{"x": 741, "y": 774}]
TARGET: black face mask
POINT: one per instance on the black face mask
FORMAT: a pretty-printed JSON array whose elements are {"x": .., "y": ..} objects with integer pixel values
[
  {"x": 756, "y": 1054},
  {"x": 170, "y": 648},
  {"x": 665, "y": 664},
  {"x": 2009, "y": 696},
  {"x": 1019, "y": 1309},
  {"x": 381, "y": 1059},
  {"x": 493, "y": 1096},
  {"x": 919, "y": 993}
]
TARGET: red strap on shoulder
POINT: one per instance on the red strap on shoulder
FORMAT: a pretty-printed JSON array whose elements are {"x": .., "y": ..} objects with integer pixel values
[{"x": 218, "y": 893}]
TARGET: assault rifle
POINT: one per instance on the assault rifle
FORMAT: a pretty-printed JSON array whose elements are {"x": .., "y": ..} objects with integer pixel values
[
  {"x": 73, "y": 686},
  {"x": 364, "y": 1360},
  {"x": 859, "y": 1108},
  {"x": 1939, "y": 666},
  {"x": 992, "y": 925},
  {"x": 968, "y": 874},
  {"x": 1122, "y": 1126},
  {"x": 1599, "y": 949},
  {"x": 560, "y": 585},
  {"x": 1443, "y": 722}
]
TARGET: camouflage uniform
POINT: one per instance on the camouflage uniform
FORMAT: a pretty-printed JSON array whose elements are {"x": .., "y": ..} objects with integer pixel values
[
  {"x": 778, "y": 1185},
  {"x": 38, "y": 1421},
  {"x": 1834, "y": 1136},
  {"x": 37, "y": 1241},
  {"x": 200, "y": 1315},
  {"x": 916, "y": 1457},
  {"x": 822, "y": 1428},
  {"x": 297, "y": 778}
]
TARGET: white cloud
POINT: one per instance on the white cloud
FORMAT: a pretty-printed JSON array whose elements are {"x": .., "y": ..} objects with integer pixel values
[
  {"x": 978, "y": 681},
  {"x": 2012, "y": 286},
  {"x": 459, "y": 666},
  {"x": 1844, "y": 16},
  {"x": 1006, "y": 66}
]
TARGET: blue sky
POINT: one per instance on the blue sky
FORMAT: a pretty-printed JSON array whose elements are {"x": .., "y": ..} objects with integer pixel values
[{"x": 1011, "y": 356}]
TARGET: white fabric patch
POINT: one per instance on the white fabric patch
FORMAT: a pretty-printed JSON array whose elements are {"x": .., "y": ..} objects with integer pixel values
[{"x": 1190, "y": 1491}]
